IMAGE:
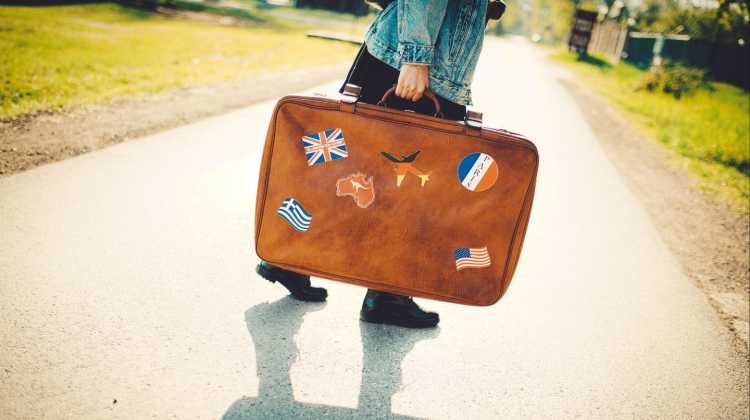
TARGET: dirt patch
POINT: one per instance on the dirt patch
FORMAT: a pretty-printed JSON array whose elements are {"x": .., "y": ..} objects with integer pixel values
[
  {"x": 710, "y": 240},
  {"x": 34, "y": 140}
]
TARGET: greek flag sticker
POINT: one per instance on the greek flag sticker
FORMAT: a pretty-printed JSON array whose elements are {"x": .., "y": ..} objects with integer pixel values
[{"x": 292, "y": 211}]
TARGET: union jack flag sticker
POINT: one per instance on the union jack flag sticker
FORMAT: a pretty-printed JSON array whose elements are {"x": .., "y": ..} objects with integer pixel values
[{"x": 325, "y": 146}]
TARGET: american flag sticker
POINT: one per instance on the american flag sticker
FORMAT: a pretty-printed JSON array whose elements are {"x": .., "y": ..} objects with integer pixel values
[
  {"x": 325, "y": 146},
  {"x": 471, "y": 258},
  {"x": 292, "y": 211}
]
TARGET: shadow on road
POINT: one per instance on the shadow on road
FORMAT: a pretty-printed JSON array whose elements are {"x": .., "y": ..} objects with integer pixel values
[{"x": 273, "y": 327}]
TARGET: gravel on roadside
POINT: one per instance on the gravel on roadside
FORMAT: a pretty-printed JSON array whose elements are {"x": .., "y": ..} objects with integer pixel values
[{"x": 32, "y": 140}]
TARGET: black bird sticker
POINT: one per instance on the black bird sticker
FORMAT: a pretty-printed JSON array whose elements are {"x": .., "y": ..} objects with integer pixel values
[{"x": 405, "y": 165}]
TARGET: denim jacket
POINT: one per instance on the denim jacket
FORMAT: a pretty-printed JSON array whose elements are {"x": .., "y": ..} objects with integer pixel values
[{"x": 444, "y": 34}]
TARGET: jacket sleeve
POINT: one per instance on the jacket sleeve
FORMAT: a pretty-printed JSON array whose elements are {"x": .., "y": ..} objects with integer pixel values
[{"x": 419, "y": 22}]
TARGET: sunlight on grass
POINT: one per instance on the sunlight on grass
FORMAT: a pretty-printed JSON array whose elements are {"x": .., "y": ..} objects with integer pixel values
[
  {"x": 711, "y": 128},
  {"x": 56, "y": 57}
]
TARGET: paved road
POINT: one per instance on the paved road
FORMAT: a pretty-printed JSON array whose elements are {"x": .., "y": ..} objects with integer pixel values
[{"x": 127, "y": 291}]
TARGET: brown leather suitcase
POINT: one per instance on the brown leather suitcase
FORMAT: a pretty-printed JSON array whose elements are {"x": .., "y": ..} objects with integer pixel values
[{"x": 392, "y": 200}]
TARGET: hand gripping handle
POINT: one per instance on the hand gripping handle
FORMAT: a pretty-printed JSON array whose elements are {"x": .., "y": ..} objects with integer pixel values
[{"x": 428, "y": 93}]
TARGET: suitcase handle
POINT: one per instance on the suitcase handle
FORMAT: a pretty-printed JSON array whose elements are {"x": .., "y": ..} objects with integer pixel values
[
  {"x": 351, "y": 92},
  {"x": 428, "y": 93}
]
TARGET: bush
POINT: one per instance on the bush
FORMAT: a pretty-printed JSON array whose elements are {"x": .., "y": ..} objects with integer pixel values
[{"x": 674, "y": 79}]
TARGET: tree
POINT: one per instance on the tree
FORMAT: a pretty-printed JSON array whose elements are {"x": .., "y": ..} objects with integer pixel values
[
  {"x": 727, "y": 23},
  {"x": 552, "y": 19}
]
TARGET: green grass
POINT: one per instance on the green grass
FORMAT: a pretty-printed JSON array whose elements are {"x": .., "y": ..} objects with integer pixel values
[
  {"x": 709, "y": 129},
  {"x": 56, "y": 57}
]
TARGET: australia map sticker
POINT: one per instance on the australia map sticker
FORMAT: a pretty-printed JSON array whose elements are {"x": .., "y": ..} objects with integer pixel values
[
  {"x": 405, "y": 166},
  {"x": 477, "y": 172},
  {"x": 357, "y": 186},
  {"x": 471, "y": 258},
  {"x": 292, "y": 211},
  {"x": 326, "y": 146}
]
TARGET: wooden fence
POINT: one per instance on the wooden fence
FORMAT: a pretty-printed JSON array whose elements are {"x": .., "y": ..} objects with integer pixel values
[
  {"x": 608, "y": 38},
  {"x": 723, "y": 62}
]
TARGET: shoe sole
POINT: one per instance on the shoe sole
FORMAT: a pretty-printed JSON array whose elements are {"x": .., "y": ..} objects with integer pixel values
[
  {"x": 397, "y": 324},
  {"x": 262, "y": 272}
]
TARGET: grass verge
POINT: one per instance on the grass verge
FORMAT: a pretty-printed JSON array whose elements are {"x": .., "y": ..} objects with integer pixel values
[
  {"x": 710, "y": 129},
  {"x": 55, "y": 57}
]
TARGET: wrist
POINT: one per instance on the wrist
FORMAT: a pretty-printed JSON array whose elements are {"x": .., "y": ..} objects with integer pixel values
[{"x": 415, "y": 53}]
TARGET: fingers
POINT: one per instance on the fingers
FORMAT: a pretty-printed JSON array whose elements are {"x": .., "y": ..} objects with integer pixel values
[
  {"x": 404, "y": 88},
  {"x": 410, "y": 91},
  {"x": 418, "y": 94},
  {"x": 407, "y": 92},
  {"x": 412, "y": 82},
  {"x": 400, "y": 89}
]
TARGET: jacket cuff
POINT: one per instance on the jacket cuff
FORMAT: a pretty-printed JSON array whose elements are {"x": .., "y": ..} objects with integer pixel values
[{"x": 415, "y": 53}]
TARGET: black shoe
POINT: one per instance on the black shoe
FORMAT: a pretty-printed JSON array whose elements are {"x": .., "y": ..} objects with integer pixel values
[
  {"x": 387, "y": 308},
  {"x": 297, "y": 284}
]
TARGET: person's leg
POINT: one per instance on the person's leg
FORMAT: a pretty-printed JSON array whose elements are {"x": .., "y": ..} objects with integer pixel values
[
  {"x": 372, "y": 75},
  {"x": 375, "y": 78},
  {"x": 299, "y": 284},
  {"x": 387, "y": 308}
]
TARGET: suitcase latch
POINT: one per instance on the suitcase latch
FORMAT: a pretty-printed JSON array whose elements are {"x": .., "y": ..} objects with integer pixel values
[
  {"x": 351, "y": 93},
  {"x": 473, "y": 118}
]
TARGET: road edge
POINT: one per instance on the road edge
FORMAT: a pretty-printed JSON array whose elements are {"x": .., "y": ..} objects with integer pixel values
[{"x": 710, "y": 240}]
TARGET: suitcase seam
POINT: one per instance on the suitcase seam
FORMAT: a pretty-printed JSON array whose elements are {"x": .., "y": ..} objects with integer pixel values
[
  {"x": 527, "y": 204},
  {"x": 259, "y": 211},
  {"x": 504, "y": 136}
]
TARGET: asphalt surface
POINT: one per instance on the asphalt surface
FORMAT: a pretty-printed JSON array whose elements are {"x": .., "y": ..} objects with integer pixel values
[{"x": 127, "y": 291}]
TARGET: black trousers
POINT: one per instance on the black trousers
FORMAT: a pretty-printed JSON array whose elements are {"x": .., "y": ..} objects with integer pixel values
[{"x": 375, "y": 78}]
